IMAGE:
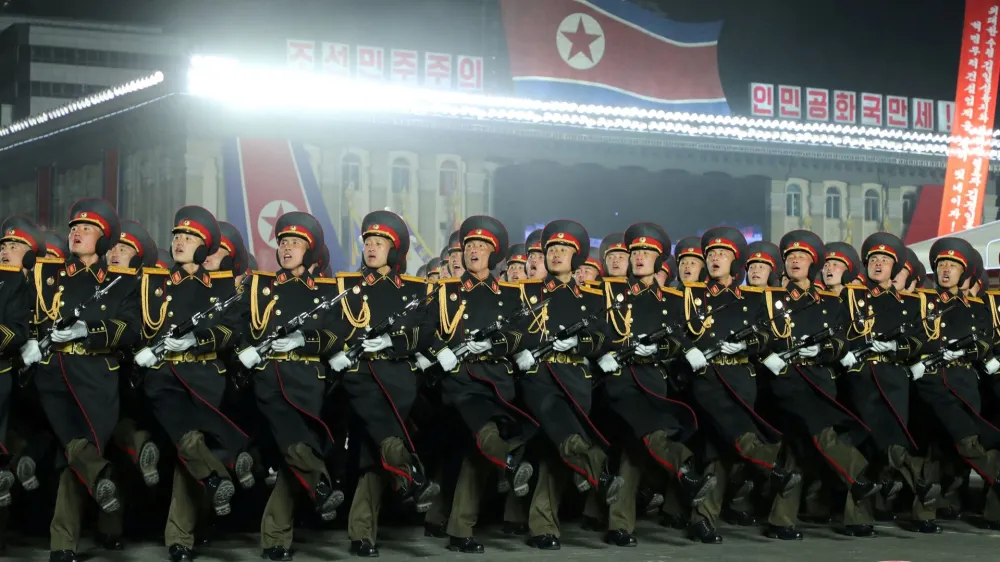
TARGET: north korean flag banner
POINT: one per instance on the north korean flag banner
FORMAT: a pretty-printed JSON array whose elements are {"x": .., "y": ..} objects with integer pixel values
[
  {"x": 609, "y": 52},
  {"x": 264, "y": 179}
]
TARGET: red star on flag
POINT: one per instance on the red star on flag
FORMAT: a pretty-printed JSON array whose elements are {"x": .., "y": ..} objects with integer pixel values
[{"x": 581, "y": 41}]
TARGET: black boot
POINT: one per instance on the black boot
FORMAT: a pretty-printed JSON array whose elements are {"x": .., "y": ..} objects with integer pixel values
[
  {"x": 327, "y": 499},
  {"x": 862, "y": 489},
  {"x": 63, "y": 556},
  {"x": 467, "y": 545},
  {"x": 620, "y": 538},
  {"x": 220, "y": 491},
  {"x": 783, "y": 533},
  {"x": 544, "y": 542},
  {"x": 435, "y": 531},
  {"x": 276, "y": 553},
  {"x": 180, "y": 553},
  {"x": 109, "y": 542},
  {"x": 704, "y": 532},
  {"x": 696, "y": 486},
  {"x": 364, "y": 549}
]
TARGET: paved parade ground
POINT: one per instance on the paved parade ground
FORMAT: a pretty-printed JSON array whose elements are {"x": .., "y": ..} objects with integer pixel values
[{"x": 960, "y": 542}]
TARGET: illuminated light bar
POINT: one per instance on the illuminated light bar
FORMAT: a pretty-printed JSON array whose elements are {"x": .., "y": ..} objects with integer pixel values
[
  {"x": 254, "y": 87},
  {"x": 84, "y": 103}
]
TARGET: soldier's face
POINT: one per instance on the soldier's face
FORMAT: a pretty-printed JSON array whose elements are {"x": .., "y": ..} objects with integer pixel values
[
  {"x": 536, "y": 265},
  {"x": 455, "y": 263},
  {"x": 183, "y": 246},
  {"x": 901, "y": 280},
  {"x": 880, "y": 268},
  {"x": 292, "y": 251},
  {"x": 617, "y": 263},
  {"x": 559, "y": 259},
  {"x": 516, "y": 272},
  {"x": 12, "y": 253},
  {"x": 214, "y": 261},
  {"x": 643, "y": 262},
  {"x": 949, "y": 273},
  {"x": 757, "y": 274},
  {"x": 797, "y": 265},
  {"x": 120, "y": 255},
  {"x": 589, "y": 273},
  {"x": 690, "y": 268},
  {"x": 719, "y": 262},
  {"x": 377, "y": 252},
  {"x": 833, "y": 272},
  {"x": 83, "y": 239},
  {"x": 661, "y": 278},
  {"x": 477, "y": 257}
]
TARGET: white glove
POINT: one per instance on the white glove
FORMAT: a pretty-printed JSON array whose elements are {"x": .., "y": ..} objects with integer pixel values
[
  {"x": 145, "y": 358},
  {"x": 952, "y": 355},
  {"x": 292, "y": 341},
  {"x": 884, "y": 346},
  {"x": 183, "y": 343},
  {"x": 339, "y": 362},
  {"x": 250, "y": 358},
  {"x": 75, "y": 332},
  {"x": 608, "y": 364},
  {"x": 849, "y": 360},
  {"x": 774, "y": 363},
  {"x": 30, "y": 353},
  {"x": 566, "y": 344},
  {"x": 377, "y": 344},
  {"x": 917, "y": 371},
  {"x": 644, "y": 350},
  {"x": 447, "y": 360},
  {"x": 992, "y": 366},
  {"x": 478, "y": 347},
  {"x": 423, "y": 363},
  {"x": 696, "y": 359},
  {"x": 733, "y": 348},
  {"x": 809, "y": 352},
  {"x": 525, "y": 360}
]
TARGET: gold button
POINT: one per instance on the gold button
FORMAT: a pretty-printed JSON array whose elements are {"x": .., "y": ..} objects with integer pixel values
[
  {"x": 583, "y": 307},
  {"x": 211, "y": 315},
  {"x": 277, "y": 313},
  {"x": 825, "y": 325},
  {"x": 170, "y": 314},
  {"x": 170, "y": 282},
  {"x": 943, "y": 324},
  {"x": 404, "y": 297},
  {"x": 104, "y": 307},
  {"x": 711, "y": 335},
  {"x": 500, "y": 317},
  {"x": 61, "y": 288},
  {"x": 316, "y": 301},
  {"x": 792, "y": 324},
  {"x": 212, "y": 299},
  {"x": 745, "y": 309},
  {"x": 904, "y": 312},
  {"x": 364, "y": 297},
  {"x": 62, "y": 274},
  {"x": 745, "y": 323},
  {"x": 500, "y": 303},
  {"x": 170, "y": 298},
  {"x": 545, "y": 290},
  {"x": 275, "y": 297},
  {"x": 464, "y": 301},
  {"x": 629, "y": 306},
  {"x": 315, "y": 316},
  {"x": 824, "y": 311},
  {"x": 709, "y": 308},
  {"x": 664, "y": 312},
  {"x": 465, "y": 316}
]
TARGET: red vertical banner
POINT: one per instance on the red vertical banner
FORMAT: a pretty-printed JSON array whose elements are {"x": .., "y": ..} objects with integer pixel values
[
  {"x": 975, "y": 101},
  {"x": 111, "y": 177},
  {"x": 43, "y": 191}
]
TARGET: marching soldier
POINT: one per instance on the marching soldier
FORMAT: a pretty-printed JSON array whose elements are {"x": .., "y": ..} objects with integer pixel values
[
  {"x": 762, "y": 265},
  {"x": 434, "y": 270},
  {"x": 536, "y": 255},
  {"x": 557, "y": 390},
  {"x": 480, "y": 384},
  {"x": 454, "y": 250},
  {"x": 636, "y": 388},
  {"x": 382, "y": 387},
  {"x": 75, "y": 379},
  {"x": 841, "y": 267},
  {"x": 690, "y": 260},
  {"x": 667, "y": 273},
  {"x": 289, "y": 379},
  {"x": 947, "y": 378},
  {"x": 20, "y": 243},
  {"x": 723, "y": 322},
  {"x": 885, "y": 335},
  {"x": 804, "y": 349},
  {"x": 517, "y": 263},
  {"x": 591, "y": 271},
  {"x": 184, "y": 383},
  {"x": 906, "y": 279},
  {"x": 614, "y": 255}
]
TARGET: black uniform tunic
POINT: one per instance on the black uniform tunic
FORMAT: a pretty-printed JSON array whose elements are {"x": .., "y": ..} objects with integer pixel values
[
  {"x": 15, "y": 322},
  {"x": 186, "y": 389}
]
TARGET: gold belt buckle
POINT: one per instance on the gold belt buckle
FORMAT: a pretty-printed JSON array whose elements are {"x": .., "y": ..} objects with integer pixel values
[
  {"x": 78, "y": 349},
  {"x": 189, "y": 356},
  {"x": 293, "y": 356}
]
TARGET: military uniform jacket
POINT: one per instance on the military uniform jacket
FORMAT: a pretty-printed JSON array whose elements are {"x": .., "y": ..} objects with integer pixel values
[
  {"x": 372, "y": 298},
  {"x": 741, "y": 307},
  {"x": 466, "y": 305},
  {"x": 16, "y": 294},
  {"x": 638, "y": 392},
  {"x": 114, "y": 323}
]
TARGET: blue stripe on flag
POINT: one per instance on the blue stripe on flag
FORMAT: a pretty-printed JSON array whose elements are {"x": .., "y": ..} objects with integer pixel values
[{"x": 310, "y": 188}]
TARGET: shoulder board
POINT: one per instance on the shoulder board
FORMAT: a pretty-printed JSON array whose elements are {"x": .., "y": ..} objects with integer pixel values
[
  {"x": 263, "y": 273},
  {"x": 448, "y": 280},
  {"x": 510, "y": 285},
  {"x": 695, "y": 284},
  {"x": 909, "y": 294},
  {"x": 616, "y": 280},
  {"x": 856, "y": 287},
  {"x": 50, "y": 260},
  {"x": 10, "y": 268},
  {"x": 592, "y": 291},
  {"x": 348, "y": 274},
  {"x": 413, "y": 278},
  {"x": 671, "y": 291},
  {"x": 529, "y": 281},
  {"x": 975, "y": 300},
  {"x": 827, "y": 293},
  {"x": 155, "y": 271},
  {"x": 752, "y": 289},
  {"x": 221, "y": 274},
  {"x": 325, "y": 280},
  {"x": 121, "y": 270},
  {"x": 923, "y": 290}
]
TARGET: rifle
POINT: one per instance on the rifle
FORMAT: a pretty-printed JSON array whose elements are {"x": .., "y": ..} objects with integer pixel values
[
  {"x": 903, "y": 329},
  {"x": 815, "y": 338},
  {"x": 577, "y": 328},
  {"x": 662, "y": 334},
  {"x": 755, "y": 326},
  {"x": 356, "y": 349},
  {"x": 937, "y": 359},
  {"x": 264, "y": 347},
  {"x": 45, "y": 346},
  {"x": 189, "y": 325}
]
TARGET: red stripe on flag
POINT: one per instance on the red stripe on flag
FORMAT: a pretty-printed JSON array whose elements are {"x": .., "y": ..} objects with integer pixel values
[
  {"x": 923, "y": 224},
  {"x": 272, "y": 187}
]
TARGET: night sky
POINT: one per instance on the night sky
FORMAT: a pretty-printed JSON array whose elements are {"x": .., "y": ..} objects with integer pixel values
[{"x": 899, "y": 47}]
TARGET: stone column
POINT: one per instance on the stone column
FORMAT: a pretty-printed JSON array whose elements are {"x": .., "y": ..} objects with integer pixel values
[
  {"x": 776, "y": 210},
  {"x": 854, "y": 225}
]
